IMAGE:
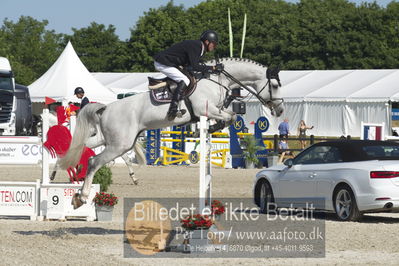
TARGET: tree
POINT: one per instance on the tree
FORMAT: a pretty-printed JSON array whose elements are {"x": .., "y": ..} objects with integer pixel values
[
  {"x": 99, "y": 48},
  {"x": 30, "y": 48},
  {"x": 155, "y": 31}
]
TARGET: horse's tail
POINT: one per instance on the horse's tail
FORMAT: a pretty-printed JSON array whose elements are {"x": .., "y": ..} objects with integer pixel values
[
  {"x": 88, "y": 119},
  {"x": 140, "y": 156}
]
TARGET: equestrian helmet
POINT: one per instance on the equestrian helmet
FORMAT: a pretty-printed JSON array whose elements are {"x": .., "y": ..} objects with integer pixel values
[
  {"x": 210, "y": 35},
  {"x": 79, "y": 90}
]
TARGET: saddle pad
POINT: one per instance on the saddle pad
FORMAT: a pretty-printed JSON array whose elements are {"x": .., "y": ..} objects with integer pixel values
[
  {"x": 164, "y": 95},
  {"x": 160, "y": 96}
]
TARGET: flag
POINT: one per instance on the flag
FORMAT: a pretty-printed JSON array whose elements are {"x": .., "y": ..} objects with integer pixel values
[
  {"x": 49, "y": 100},
  {"x": 73, "y": 107}
]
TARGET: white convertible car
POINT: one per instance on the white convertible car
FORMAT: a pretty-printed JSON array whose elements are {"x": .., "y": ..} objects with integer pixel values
[{"x": 351, "y": 176}]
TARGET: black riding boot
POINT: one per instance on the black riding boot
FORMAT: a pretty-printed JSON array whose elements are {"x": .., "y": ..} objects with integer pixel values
[{"x": 172, "y": 112}]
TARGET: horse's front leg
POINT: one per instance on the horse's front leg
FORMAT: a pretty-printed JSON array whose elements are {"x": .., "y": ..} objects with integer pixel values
[
  {"x": 52, "y": 176},
  {"x": 224, "y": 115}
]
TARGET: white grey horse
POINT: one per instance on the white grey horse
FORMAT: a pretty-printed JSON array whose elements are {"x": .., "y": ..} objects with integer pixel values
[{"x": 122, "y": 121}]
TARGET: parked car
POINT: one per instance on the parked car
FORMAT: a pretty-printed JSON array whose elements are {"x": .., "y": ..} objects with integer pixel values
[{"x": 353, "y": 176}]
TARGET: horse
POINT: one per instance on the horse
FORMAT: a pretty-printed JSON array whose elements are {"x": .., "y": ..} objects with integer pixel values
[{"x": 120, "y": 122}]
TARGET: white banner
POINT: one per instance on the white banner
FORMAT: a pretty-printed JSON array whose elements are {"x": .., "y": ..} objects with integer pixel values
[
  {"x": 55, "y": 200},
  {"x": 18, "y": 200},
  {"x": 21, "y": 150}
]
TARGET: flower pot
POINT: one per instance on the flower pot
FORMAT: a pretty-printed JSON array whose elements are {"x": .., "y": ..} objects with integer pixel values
[
  {"x": 249, "y": 165},
  {"x": 104, "y": 213}
]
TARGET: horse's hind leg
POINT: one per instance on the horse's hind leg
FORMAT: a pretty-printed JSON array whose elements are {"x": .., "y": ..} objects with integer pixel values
[
  {"x": 129, "y": 165},
  {"x": 95, "y": 163}
]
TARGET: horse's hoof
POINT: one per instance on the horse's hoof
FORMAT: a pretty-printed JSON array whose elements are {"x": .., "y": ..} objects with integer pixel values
[
  {"x": 135, "y": 182},
  {"x": 76, "y": 201}
]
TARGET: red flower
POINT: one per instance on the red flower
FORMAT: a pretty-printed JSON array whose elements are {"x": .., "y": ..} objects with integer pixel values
[
  {"x": 217, "y": 207},
  {"x": 196, "y": 221},
  {"x": 105, "y": 199}
]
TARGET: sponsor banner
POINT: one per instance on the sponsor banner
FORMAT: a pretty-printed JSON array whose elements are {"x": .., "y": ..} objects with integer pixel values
[
  {"x": 18, "y": 200},
  {"x": 21, "y": 153},
  {"x": 56, "y": 201}
]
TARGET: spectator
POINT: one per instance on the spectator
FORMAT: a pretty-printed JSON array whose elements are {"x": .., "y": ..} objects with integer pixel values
[
  {"x": 302, "y": 133},
  {"x": 284, "y": 149},
  {"x": 70, "y": 110},
  {"x": 284, "y": 128}
]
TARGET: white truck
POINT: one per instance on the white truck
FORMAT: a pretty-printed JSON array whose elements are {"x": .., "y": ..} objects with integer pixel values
[{"x": 15, "y": 104}]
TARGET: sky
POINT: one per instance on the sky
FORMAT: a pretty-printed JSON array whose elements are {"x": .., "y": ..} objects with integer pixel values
[{"x": 63, "y": 15}]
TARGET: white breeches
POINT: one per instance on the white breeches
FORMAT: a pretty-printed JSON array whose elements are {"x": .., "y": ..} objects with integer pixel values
[{"x": 172, "y": 73}]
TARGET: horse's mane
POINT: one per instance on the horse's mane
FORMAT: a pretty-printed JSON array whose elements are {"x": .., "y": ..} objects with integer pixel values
[{"x": 235, "y": 59}]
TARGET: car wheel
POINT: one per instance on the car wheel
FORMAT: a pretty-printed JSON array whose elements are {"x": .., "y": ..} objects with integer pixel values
[
  {"x": 265, "y": 197},
  {"x": 345, "y": 205}
]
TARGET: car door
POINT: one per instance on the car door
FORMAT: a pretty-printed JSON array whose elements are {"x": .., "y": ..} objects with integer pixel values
[
  {"x": 297, "y": 183},
  {"x": 325, "y": 173}
]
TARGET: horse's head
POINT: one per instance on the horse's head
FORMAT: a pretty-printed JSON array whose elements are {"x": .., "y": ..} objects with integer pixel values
[
  {"x": 273, "y": 97},
  {"x": 251, "y": 76}
]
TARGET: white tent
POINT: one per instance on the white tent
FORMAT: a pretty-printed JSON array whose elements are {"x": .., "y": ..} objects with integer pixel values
[
  {"x": 335, "y": 102},
  {"x": 61, "y": 79},
  {"x": 126, "y": 82}
]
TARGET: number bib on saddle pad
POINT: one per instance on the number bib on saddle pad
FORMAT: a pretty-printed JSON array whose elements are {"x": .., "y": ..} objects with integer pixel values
[{"x": 161, "y": 90}]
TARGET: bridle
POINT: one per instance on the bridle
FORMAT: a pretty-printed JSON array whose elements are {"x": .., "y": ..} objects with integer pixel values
[{"x": 269, "y": 75}]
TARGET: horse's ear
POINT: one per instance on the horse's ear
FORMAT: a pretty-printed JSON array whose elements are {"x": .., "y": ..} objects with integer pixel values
[
  {"x": 275, "y": 71},
  {"x": 268, "y": 73}
]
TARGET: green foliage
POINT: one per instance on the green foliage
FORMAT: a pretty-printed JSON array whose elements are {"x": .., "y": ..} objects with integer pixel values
[
  {"x": 310, "y": 34},
  {"x": 30, "y": 48},
  {"x": 251, "y": 147},
  {"x": 99, "y": 48},
  {"x": 155, "y": 31},
  {"x": 103, "y": 177}
]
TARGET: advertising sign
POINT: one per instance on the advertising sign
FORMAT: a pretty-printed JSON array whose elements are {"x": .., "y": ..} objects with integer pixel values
[{"x": 18, "y": 200}]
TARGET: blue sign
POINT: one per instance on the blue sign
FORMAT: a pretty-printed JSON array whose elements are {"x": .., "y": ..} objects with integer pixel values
[
  {"x": 261, "y": 126},
  {"x": 153, "y": 145},
  {"x": 395, "y": 113}
]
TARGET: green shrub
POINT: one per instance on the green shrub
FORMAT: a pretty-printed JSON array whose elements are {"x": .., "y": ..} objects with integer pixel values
[
  {"x": 103, "y": 177},
  {"x": 251, "y": 147}
]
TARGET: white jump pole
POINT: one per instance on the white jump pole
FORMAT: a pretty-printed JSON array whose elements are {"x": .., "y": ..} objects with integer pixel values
[
  {"x": 205, "y": 187},
  {"x": 45, "y": 154}
]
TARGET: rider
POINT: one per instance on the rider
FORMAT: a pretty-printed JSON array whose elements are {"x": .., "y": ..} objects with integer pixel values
[
  {"x": 80, "y": 93},
  {"x": 185, "y": 54}
]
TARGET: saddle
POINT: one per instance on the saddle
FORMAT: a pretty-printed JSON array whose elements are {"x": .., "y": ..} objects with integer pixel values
[{"x": 161, "y": 90}]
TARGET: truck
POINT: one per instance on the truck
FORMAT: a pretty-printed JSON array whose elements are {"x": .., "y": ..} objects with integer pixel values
[{"x": 15, "y": 104}]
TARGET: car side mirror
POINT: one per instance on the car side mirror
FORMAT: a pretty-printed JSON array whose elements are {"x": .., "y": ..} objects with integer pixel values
[{"x": 289, "y": 163}]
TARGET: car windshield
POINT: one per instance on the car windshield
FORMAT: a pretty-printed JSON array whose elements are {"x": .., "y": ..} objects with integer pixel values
[
  {"x": 5, "y": 83},
  {"x": 382, "y": 152}
]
